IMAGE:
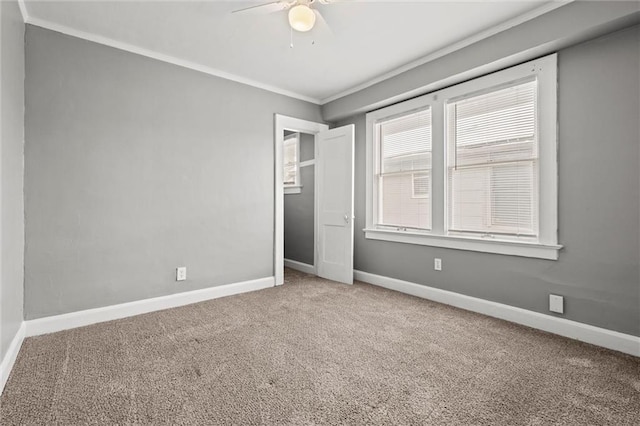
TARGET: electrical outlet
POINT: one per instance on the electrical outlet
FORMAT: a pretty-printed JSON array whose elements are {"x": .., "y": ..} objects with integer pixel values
[
  {"x": 437, "y": 264},
  {"x": 556, "y": 304},
  {"x": 181, "y": 273}
]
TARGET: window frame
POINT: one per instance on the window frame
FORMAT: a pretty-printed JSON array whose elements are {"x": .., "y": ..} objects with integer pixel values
[
  {"x": 296, "y": 187},
  {"x": 544, "y": 70}
]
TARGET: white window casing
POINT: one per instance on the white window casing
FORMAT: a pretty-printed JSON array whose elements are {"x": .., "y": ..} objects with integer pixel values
[{"x": 492, "y": 177}]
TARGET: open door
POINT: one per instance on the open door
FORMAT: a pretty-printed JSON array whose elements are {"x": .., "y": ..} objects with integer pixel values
[{"x": 334, "y": 174}]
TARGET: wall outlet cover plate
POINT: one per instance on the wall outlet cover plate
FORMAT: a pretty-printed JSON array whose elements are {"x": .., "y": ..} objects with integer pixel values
[
  {"x": 181, "y": 273},
  {"x": 556, "y": 304}
]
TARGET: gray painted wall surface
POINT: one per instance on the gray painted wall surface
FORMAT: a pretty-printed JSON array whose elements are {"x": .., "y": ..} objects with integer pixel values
[
  {"x": 135, "y": 167},
  {"x": 307, "y": 147},
  {"x": 599, "y": 211},
  {"x": 298, "y": 210},
  {"x": 11, "y": 172}
]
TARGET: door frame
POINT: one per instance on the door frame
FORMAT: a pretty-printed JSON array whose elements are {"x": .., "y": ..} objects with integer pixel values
[{"x": 282, "y": 123}]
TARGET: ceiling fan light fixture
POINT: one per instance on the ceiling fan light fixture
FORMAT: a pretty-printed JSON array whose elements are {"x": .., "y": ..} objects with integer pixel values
[{"x": 301, "y": 18}]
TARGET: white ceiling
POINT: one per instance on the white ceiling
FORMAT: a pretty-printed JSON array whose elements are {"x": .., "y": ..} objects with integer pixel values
[{"x": 369, "y": 38}]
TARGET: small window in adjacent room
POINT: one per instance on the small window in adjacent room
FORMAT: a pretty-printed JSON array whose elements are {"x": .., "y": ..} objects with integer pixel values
[
  {"x": 471, "y": 167},
  {"x": 291, "y": 164}
]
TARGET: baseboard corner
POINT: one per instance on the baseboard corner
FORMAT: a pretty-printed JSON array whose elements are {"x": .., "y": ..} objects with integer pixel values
[
  {"x": 299, "y": 266},
  {"x": 9, "y": 359}
]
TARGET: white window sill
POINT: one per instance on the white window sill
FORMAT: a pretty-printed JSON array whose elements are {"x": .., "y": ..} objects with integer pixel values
[
  {"x": 293, "y": 190},
  {"x": 511, "y": 248}
]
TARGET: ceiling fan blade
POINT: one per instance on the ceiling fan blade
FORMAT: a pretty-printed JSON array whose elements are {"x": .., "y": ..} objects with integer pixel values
[
  {"x": 263, "y": 9},
  {"x": 321, "y": 23}
]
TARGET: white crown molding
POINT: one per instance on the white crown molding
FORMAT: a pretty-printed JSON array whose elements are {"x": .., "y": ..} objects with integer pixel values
[
  {"x": 572, "y": 329},
  {"x": 23, "y": 10},
  {"x": 546, "y": 8},
  {"x": 106, "y": 41},
  {"x": 71, "y": 320},
  {"x": 10, "y": 357}
]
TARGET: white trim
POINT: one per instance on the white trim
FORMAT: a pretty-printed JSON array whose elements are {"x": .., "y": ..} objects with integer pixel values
[
  {"x": 10, "y": 357},
  {"x": 503, "y": 26},
  {"x": 55, "y": 323},
  {"x": 296, "y": 189},
  {"x": 547, "y": 7},
  {"x": 510, "y": 248},
  {"x": 299, "y": 266},
  {"x": 282, "y": 123},
  {"x": 23, "y": 10},
  {"x": 307, "y": 163},
  {"x": 164, "y": 58},
  {"x": 546, "y": 245},
  {"x": 572, "y": 329}
]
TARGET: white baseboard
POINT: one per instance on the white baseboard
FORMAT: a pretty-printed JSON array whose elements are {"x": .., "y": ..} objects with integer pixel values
[
  {"x": 575, "y": 330},
  {"x": 299, "y": 266},
  {"x": 10, "y": 357},
  {"x": 55, "y": 323}
]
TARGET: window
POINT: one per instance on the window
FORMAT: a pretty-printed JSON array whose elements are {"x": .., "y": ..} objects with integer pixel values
[
  {"x": 472, "y": 166},
  {"x": 291, "y": 164},
  {"x": 492, "y": 163},
  {"x": 405, "y": 148}
]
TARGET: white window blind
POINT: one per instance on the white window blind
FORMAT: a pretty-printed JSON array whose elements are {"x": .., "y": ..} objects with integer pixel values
[
  {"x": 290, "y": 152},
  {"x": 404, "y": 171},
  {"x": 492, "y": 163}
]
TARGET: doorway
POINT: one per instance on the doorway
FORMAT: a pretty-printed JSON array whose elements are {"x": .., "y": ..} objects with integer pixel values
[
  {"x": 299, "y": 201},
  {"x": 332, "y": 196}
]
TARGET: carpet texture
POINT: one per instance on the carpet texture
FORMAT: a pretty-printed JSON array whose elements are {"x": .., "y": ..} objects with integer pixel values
[{"x": 317, "y": 352}]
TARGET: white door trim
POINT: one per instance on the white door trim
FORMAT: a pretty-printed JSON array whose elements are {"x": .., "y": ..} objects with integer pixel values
[{"x": 282, "y": 123}]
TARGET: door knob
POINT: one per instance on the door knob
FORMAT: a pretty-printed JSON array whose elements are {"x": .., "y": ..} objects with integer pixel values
[{"x": 346, "y": 218}]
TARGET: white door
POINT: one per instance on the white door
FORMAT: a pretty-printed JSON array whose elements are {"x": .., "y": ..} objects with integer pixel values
[{"x": 334, "y": 173}]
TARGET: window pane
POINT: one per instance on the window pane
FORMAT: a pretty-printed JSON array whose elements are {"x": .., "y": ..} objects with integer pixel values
[
  {"x": 405, "y": 142},
  {"x": 290, "y": 154},
  {"x": 497, "y": 117},
  {"x": 289, "y": 177},
  {"x": 421, "y": 185},
  {"x": 290, "y": 160},
  {"x": 405, "y": 166},
  {"x": 492, "y": 162},
  {"x": 513, "y": 197},
  {"x": 399, "y": 207}
]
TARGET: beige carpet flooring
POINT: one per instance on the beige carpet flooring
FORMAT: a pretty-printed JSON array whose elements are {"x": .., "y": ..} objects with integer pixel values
[{"x": 317, "y": 352}]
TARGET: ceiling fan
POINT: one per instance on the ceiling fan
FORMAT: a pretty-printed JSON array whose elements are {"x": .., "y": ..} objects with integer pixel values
[{"x": 302, "y": 16}]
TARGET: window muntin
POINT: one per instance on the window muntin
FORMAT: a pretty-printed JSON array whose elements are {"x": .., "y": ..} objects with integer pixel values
[
  {"x": 404, "y": 147},
  {"x": 492, "y": 163}
]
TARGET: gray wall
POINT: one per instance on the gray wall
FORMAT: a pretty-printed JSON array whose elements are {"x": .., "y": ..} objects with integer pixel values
[
  {"x": 11, "y": 172},
  {"x": 599, "y": 211},
  {"x": 135, "y": 167},
  {"x": 298, "y": 210}
]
